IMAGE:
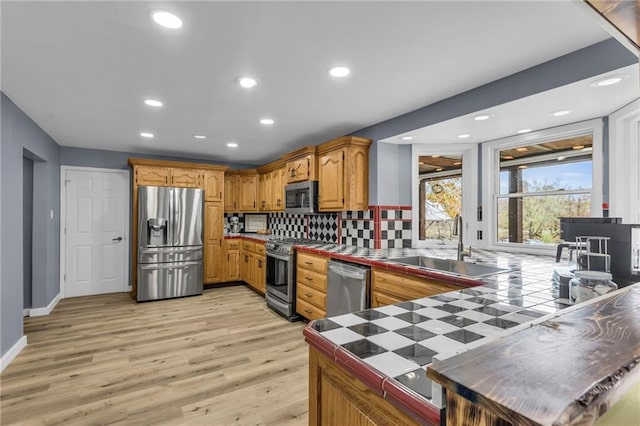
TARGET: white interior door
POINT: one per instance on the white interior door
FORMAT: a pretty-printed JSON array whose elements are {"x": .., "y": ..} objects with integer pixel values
[{"x": 96, "y": 234}]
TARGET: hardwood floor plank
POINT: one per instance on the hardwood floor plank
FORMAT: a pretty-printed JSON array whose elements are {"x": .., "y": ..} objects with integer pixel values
[{"x": 220, "y": 358}]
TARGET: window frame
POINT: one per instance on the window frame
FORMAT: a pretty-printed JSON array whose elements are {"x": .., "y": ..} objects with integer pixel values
[
  {"x": 491, "y": 175},
  {"x": 469, "y": 154}
]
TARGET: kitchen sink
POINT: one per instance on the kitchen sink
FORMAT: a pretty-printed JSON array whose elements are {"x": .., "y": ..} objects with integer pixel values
[{"x": 458, "y": 267}]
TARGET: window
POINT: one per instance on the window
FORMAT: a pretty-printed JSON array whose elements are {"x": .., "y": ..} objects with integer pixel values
[
  {"x": 539, "y": 178},
  {"x": 438, "y": 194}
]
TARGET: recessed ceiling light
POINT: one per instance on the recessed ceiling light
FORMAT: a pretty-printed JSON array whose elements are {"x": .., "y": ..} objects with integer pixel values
[
  {"x": 561, "y": 113},
  {"x": 521, "y": 131},
  {"x": 153, "y": 102},
  {"x": 407, "y": 138},
  {"x": 166, "y": 19},
  {"x": 199, "y": 136},
  {"x": 464, "y": 136},
  {"x": 482, "y": 117},
  {"x": 435, "y": 156},
  {"x": 508, "y": 157},
  {"x": 523, "y": 166},
  {"x": 609, "y": 81},
  {"x": 266, "y": 121},
  {"x": 339, "y": 71},
  {"x": 247, "y": 82},
  {"x": 421, "y": 162},
  {"x": 577, "y": 147},
  {"x": 561, "y": 158},
  {"x": 589, "y": 148},
  {"x": 232, "y": 145},
  {"x": 147, "y": 135},
  {"x": 439, "y": 169},
  {"x": 457, "y": 163},
  {"x": 522, "y": 149}
]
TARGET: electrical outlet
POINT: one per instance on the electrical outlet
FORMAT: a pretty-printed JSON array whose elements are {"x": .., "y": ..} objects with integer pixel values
[{"x": 479, "y": 235}]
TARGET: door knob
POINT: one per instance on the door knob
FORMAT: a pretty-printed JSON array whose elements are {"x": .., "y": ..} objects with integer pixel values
[{"x": 117, "y": 239}]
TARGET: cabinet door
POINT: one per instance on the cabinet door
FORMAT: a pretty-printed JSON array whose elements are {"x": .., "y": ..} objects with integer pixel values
[
  {"x": 278, "y": 189},
  {"x": 331, "y": 181},
  {"x": 233, "y": 265},
  {"x": 248, "y": 193},
  {"x": 214, "y": 218},
  {"x": 262, "y": 192},
  {"x": 268, "y": 191},
  {"x": 186, "y": 178},
  {"x": 298, "y": 170},
  {"x": 152, "y": 176},
  {"x": 258, "y": 272},
  {"x": 382, "y": 299},
  {"x": 358, "y": 180},
  {"x": 213, "y": 185},
  {"x": 230, "y": 193},
  {"x": 213, "y": 262}
]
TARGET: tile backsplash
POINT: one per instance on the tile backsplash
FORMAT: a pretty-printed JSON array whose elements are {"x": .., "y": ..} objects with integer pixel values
[{"x": 377, "y": 227}]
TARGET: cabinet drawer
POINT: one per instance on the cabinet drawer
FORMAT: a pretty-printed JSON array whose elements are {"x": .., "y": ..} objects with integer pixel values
[
  {"x": 315, "y": 263},
  {"x": 406, "y": 287},
  {"x": 383, "y": 299},
  {"x": 232, "y": 244},
  {"x": 248, "y": 246},
  {"x": 312, "y": 279},
  {"x": 312, "y": 295},
  {"x": 309, "y": 311},
  {"x": 259, "y": 248}
]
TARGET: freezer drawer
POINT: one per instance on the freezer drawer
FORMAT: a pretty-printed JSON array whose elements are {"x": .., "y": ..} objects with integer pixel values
[
  {"x": 347, "y": 288},
  {"x": 167, "y": 280},
  {"x": 169, "y": 254}
]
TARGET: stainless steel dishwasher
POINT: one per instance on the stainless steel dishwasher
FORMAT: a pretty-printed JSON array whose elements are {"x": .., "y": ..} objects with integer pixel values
[{"x": 347, "y": 288}]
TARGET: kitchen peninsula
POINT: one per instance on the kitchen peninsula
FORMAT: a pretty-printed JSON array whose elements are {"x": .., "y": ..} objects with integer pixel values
[{"x": 370, "y": 366}]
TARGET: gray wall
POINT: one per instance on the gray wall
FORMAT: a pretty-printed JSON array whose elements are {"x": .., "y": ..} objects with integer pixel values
[
  {"x": 27, "y": 230},
  {"x": 393, "y": 186},
  {"x": 20, "y": 133},
  {"x": 593, "y": 60},
  {"x": 83, "y": 157}
]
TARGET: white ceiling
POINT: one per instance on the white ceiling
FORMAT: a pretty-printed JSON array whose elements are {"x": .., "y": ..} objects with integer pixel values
[
  {"x": 534, "y": 112},
  {"x": 81, "y": 70}
]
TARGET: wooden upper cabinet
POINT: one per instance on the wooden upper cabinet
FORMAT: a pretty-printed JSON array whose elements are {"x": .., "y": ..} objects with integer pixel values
[
  {"x": 343, "y": 174},
  {"x": 301, "y": 165},
  {"x": 248, "y": 193},
  {"x": 331, "y": 180},
  {"x": 264, "y": 191},
  {"x": 151, "y": 176},
  {"x": 214, "y": 218},
  {"x": 277, "y": 185},
  {"x": 230, "y": 193},
  {"x": 186, "y": 178},
  {"x": 213, "y": 185}
]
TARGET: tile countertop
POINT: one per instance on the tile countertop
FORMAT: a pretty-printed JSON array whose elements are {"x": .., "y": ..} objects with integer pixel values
[{"x": 389, "y": 347}]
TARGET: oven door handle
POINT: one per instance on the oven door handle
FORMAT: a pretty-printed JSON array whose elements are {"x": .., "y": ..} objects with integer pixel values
[{"x": 278, "y": 257}]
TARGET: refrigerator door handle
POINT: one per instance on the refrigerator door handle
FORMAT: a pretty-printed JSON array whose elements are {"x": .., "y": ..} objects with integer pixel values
[{"x": 173, "y": 211}]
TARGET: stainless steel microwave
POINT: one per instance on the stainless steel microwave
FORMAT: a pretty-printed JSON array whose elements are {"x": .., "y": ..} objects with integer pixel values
[{"x": 301, "y": 197}]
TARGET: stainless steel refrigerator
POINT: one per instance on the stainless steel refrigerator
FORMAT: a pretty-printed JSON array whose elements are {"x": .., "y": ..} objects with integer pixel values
[{"x": 169, "y": 242}]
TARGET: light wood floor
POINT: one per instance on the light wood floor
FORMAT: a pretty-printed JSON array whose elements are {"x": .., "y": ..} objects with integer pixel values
[{"x": 219, "y": 358}]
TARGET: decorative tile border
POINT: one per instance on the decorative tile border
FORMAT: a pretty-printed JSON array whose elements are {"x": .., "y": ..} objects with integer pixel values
[{"x": 324, "y": 227}]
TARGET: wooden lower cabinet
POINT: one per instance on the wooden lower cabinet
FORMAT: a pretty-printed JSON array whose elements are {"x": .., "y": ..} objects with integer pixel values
[
  {"x": 254, "y": 265},
  {"x": 232, "y": 266},
  {"x": 213, "y": 266},
  {"x": 337, "y": 398},
  {"x": 311, "y": 285},
  {"x": 392, "y": 287}
]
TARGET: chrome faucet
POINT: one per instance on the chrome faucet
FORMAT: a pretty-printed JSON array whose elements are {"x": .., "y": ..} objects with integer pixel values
[{"x": 457, "y": 230}]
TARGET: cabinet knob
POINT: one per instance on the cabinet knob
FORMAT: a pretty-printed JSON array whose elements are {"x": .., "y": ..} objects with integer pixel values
[
  {"x": 308, "y": 278},
  {"x": 308, "y": 311},
  {"x": 308, "y": 263},
  {"x": 308, "y": 294}
]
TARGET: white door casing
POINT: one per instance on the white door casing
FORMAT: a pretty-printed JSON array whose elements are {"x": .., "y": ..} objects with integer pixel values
[{"x": 95, "y": 231}]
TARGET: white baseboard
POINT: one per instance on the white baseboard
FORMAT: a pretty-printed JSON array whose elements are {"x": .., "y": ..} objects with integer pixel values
[
  {"x": 12, "y": 353},
  {"x": 37, "y": 312}
]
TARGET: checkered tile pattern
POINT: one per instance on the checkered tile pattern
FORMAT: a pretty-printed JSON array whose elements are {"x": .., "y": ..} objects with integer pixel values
[
  {"x": 398, "y": 214},
  {"x": 287, "y": 225},
  {"x": 358, "y": 232},
  {"x": 323, "y": 228},
  {"x": 395, "y": 233},
  {"x": 400, "y": 340},
  {"x": 367, "y": 214}
]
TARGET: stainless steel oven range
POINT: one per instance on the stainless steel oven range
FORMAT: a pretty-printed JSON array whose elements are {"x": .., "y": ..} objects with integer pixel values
[{"x": 281, "y": 276}]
